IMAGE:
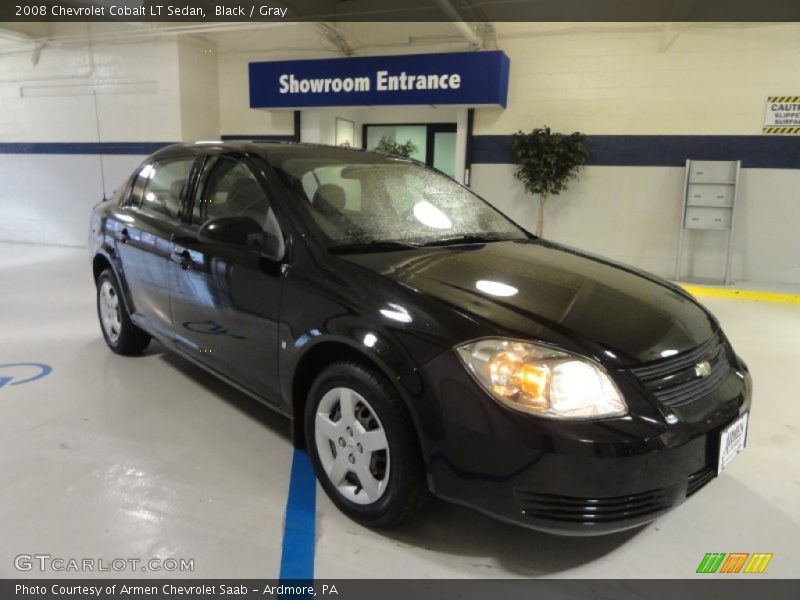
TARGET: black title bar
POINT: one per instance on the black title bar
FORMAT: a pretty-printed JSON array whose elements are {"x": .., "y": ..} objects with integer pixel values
[
  {"x": 402, "y": 10},
  {"x": 402, "y": 589}
]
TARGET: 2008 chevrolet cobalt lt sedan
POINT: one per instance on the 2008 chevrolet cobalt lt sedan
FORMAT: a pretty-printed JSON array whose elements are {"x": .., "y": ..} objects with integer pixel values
[{"x": 420, "y": 340}]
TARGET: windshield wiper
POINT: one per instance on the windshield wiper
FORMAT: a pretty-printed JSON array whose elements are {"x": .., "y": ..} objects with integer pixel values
[
  {"x": 372, "y": 246},
  {"x": 471, "y": 238}
]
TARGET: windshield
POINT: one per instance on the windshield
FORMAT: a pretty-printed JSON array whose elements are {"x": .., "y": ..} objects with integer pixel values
[{"x": 363, "y": 199}]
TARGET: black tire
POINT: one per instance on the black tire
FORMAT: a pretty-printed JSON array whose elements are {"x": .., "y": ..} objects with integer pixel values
[
  {"x": 406, "y": 490},
  {"x": 130, "y": 339}
]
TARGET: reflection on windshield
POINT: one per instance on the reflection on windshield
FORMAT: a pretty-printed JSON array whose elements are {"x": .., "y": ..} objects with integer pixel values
[
  {"x": 356, "y": 201},
  {"x": 427, "y": 214}
]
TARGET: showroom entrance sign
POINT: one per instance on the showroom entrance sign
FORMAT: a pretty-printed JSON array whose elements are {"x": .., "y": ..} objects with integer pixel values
[{"x": 452, "y": 78}]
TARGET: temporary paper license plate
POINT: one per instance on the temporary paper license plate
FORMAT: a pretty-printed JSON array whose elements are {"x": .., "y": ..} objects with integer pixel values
[{"x": 731, "y": 441}]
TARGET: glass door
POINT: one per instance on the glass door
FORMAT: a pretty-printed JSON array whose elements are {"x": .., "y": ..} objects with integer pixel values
[
  {"x": 443, "y": 155},
  {"x": 434, "y": 143}
]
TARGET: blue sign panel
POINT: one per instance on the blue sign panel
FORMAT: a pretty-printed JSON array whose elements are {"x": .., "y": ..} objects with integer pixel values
[{"x": 456, "y": 78}]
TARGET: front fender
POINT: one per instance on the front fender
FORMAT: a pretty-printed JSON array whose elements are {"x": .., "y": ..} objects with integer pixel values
[
  {"x": 382, "y": 350},
  {"x": 103, "y": 245}
]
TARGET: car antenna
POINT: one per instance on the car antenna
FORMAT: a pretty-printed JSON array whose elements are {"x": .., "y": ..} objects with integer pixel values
[{"x": 100, "y": 154}]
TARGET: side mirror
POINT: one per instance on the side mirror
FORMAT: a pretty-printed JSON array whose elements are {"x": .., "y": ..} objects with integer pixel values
[
  {"x": 268, "y": 245},
  {"x": 231, "y": 230},
  {"x": 245, "y": 232}
]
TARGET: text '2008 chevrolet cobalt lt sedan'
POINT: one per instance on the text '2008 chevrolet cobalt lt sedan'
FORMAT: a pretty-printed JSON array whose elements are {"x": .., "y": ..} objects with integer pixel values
[{"x": 419, "y": 339}]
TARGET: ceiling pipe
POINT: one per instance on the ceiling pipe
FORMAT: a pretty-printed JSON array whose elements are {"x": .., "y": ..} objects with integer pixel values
[
  {"x": 87, "y": 72},
  {"x": 334, "y": 35},
  {"x": 14, "y": 36},
  {"x": 462, "y": 26}
]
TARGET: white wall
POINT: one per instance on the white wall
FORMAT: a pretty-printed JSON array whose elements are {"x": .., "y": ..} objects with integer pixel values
[
  {"x": 136, "y": 85},
  {"x": 607, "y": 78},
  {"x": 141, "y": 92},
  {"x": 236, "y": 116},
  {"x": 84, "y": 94},
  {"x": 46, "y": 199},
  {"x": 318, "y": 126},
  {"x": 199, "y": 92},
  {"x": 616, "y": 79},
  {"x": 632, "y": 214}
]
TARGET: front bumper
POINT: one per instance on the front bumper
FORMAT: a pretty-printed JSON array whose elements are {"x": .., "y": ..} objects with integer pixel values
[{"x": 574, "y": 478}]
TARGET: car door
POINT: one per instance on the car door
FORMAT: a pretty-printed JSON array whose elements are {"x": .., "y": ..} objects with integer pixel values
[
  {"x": 226, "y": 296},
  {"x": 143, "y": 237}
]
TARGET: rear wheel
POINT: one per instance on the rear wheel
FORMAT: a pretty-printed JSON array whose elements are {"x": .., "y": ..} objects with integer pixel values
[
  {"x": 121, "y": 335},
  {"x": 363, "y": 445}
]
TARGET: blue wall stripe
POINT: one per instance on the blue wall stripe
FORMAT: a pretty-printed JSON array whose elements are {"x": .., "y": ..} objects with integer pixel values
[
  {"x": 755, "y": 151},
  {"x": 81, "y": 147},
  {"x": 300, "y": 525},
  {"x": 140, "y": 148}
]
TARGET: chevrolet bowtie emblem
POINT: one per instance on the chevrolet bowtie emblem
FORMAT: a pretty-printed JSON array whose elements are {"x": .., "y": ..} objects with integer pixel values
[{"x": 702, "y": 369}]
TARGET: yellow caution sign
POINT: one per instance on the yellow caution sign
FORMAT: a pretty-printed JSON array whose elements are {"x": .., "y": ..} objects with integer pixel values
[{"x": 782, "y": 115}]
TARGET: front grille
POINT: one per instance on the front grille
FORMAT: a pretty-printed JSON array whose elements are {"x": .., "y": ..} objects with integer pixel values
[
  {"x": 698, "y": 479},
  {"x": 589, "y": 510},
  {"x": 675, "y": 380}
]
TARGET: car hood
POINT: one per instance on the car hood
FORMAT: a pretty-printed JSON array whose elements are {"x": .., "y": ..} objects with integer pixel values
[{"x": 553, "y": 293}]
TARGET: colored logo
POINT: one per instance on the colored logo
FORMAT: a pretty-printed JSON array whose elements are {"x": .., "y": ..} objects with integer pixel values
[
  {"x": 734, "y": 562},
  {"x": 19, "y": 373},
  {"x": 211, "y": 328}
]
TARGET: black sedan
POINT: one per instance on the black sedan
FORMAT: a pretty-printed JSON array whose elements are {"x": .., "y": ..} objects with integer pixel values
[{"x": 420, "y": 340}]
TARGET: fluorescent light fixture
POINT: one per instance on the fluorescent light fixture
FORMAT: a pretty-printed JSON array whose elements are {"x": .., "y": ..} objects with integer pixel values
[{"x": 88, "y": 89}]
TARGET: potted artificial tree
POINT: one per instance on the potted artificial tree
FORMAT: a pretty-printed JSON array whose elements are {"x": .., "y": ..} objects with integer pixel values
[
  {"x": 388, "y": 146},
  {"x": 546, "y": 162}
]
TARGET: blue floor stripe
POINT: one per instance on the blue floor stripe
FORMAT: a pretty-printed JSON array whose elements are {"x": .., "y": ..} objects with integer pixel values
[{"x": 299, "y": 529}]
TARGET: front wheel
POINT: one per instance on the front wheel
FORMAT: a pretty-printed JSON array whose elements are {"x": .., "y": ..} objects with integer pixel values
[
  {"x": 121, "y": 335},
  {"x": 363, "y": 445}
]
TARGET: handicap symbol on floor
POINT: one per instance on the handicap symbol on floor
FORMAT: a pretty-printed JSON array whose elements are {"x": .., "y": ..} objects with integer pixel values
[{"x": 19, "y": 373}]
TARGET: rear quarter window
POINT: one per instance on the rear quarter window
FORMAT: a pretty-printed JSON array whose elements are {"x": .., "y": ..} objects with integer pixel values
[{"x": 158, "y": 187}]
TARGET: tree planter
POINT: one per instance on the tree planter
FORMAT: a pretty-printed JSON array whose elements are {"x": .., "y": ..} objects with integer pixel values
[{"x": 546, "y": 162}]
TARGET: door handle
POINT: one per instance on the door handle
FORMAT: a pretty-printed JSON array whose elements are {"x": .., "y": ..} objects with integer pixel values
[
  {"x": 123, "y": 236},
  {"x": 181, "y": 257}
]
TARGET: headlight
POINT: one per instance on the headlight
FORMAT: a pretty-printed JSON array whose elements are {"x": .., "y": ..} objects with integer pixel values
[{"x": 542, "y": 381}]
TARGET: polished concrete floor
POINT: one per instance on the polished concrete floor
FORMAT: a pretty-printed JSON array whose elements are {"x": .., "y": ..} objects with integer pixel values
[{"x": 110, "y": 457}]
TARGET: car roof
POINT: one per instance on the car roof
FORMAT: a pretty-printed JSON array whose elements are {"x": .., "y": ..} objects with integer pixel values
[{"x": 275, "y": 153}]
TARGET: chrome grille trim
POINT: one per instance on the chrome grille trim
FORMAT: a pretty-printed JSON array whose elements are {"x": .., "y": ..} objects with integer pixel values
[{"x": 674, "y": 381}]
